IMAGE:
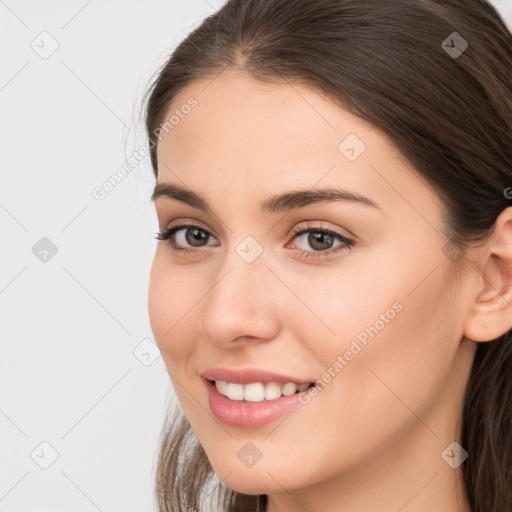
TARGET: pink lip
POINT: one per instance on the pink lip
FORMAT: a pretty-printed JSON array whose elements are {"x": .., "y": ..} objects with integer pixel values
[
  {"x": 244, "y": 414},
  {"x": 247, "y": 375}
]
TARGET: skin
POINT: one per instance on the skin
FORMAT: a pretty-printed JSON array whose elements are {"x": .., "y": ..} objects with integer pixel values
[{"x": 372, "y": 438}]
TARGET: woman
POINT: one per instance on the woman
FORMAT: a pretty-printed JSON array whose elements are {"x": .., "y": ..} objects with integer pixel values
[{"x": 331, "y": 293}]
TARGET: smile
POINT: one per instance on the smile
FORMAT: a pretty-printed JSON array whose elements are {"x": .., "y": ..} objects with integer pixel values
[
  {"x": 258, "y": 391},
  {"x": 249, "y": 408}
]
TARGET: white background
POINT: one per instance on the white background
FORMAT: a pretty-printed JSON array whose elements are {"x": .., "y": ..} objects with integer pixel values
[{"x": 70, "y": 325}]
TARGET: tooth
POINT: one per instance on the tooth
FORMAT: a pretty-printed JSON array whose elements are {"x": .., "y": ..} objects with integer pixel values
[
  {"x": 258, "y": 391},
  {"x": 272, "y": 391},
  {"x": 254, "y": 392},
  {"x": 235, "y": 391},
  {"x": 221, "y": 386},
  {"x": 289, "y": 389}
]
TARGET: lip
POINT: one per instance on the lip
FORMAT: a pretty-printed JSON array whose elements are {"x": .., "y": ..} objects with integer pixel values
[
  {"x": 248, "y": 375},
  {"x": 249, "y": 415}
]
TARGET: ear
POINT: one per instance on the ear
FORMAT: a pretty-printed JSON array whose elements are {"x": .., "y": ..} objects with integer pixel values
[{"x": 490, "y": 309}]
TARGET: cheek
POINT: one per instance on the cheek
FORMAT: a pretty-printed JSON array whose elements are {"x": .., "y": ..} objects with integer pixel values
[
  {"x": 379, "y": 335},
  {"x": 172, "y": 295},
  {"x": 334, "y": 307}
]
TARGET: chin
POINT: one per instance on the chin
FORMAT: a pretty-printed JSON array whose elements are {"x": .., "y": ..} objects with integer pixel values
[{"x": 248, "y": 482}]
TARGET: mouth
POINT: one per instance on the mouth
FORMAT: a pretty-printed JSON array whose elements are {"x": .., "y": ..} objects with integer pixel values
[{"x": 258, "y": 391}]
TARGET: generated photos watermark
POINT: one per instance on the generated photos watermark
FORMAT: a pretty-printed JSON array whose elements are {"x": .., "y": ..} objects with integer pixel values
[
  {"x": 356, "y": 346},
  {"x": 101, "y": 191}
]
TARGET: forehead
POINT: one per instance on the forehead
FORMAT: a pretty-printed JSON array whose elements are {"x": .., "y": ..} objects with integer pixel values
[
  {"x": 254, "y": 136},
  {"x": 235, "y": 104},
  {"x": 237, "y": 119}
]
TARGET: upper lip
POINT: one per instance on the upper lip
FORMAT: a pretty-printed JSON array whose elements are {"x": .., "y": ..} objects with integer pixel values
[{"x": 247, "y": 375}]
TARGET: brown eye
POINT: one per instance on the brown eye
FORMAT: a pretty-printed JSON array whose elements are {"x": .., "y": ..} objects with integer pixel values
[
  {"x": 195, "y": 236},
  {"x": 320, "y": 240},
  {"x": 185, "y": 237},
  {"x": 188, "y": 238}
]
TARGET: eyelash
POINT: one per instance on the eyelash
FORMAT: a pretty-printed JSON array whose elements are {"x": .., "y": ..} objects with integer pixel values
[{"x": 168, "y": 234}]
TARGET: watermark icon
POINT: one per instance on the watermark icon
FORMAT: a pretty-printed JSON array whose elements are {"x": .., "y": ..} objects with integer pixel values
[
  {"x": 44, "y": 44},
  {"x": 146, "y": 352},
  {"x": 454, "y": 45},
  {"x": 355, "y": 348},
  {"x": 101, "y": 191},
  {"x": 44, "y": 455},
  {"x": 44, "y": 250},
  {"x": 249, "y": 249},
  {"x": 249, "y": 454},
  {"x": 351, "y": 147},
  {"x": 454, "y": 455}
]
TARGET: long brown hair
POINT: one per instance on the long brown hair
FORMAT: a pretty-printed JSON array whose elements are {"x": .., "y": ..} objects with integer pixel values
[{"x": 446, "y": 105}]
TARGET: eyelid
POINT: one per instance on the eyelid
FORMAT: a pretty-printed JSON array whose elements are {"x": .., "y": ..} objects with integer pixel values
[
  {"x": 304, "y": 225},
  {"x": 188, "y": 223},
  {"x": 310, "y": 225}
]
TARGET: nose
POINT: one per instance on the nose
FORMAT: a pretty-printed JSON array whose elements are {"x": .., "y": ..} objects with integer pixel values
[{"x": 242, "y": 305}]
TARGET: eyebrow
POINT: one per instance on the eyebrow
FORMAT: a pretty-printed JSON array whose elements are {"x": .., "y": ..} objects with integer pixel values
[{"x": 279, "y": 203}]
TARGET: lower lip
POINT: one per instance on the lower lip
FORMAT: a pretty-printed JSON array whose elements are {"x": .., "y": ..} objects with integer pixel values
[{"x": 242, "y": 414}]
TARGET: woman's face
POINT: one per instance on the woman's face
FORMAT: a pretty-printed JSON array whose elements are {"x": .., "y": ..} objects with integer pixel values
[{"x": 370, "y": 313}]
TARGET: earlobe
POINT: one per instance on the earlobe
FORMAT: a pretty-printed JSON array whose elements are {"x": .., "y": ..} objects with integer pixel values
[{"x": 490, "y": 310}]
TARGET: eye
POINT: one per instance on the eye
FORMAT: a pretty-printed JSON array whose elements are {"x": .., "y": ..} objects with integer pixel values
[
  {"x": 321, "y": 240},
  {"x": 188, "y": 238},
  {"x": 193, "y": 235}
]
